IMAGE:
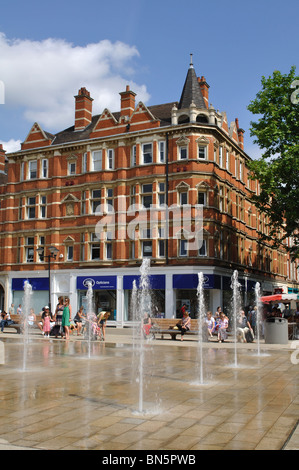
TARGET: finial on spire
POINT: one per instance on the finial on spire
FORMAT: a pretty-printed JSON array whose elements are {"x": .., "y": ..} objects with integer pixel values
[{"x": 191, "y": 60}]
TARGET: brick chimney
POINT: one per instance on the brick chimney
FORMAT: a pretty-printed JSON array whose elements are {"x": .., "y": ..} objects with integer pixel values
[
  {"x": 83, "y": 109},
  {"x": 127, "y": 103},
  {"x": 240, "y": 134},
  {"x": 204, "y": 89},
  {"x": 2, "y": 159}
]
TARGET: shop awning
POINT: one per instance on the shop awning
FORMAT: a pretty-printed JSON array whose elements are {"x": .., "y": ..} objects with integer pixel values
[{"x": 284, "y": 298}]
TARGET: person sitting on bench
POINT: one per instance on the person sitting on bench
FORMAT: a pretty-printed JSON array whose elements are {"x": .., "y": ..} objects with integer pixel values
[{"x": 184, "y": 324}]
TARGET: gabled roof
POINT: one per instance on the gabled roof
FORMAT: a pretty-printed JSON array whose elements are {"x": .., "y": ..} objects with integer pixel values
[{"x": 191, "y": 91}]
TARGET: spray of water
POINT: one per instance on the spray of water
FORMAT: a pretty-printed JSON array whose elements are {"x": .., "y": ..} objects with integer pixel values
[
  {"x": 258, "y": 305},
  {"x": 141, "y": 305},
  {"x": 236, "y": 307},
  {"x": 200, "y": 317},
  {"x": 25, "y": 325},
  {"x": 90, "y": 316}
]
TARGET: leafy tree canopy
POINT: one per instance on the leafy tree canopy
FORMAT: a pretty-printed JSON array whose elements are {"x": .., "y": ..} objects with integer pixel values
[{"x": 277, "y": 134}]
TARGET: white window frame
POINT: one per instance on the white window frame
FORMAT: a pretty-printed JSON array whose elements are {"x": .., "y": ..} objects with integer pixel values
[
  {"x": 32, "y": 171},
  {"x": 42, "y": 206},
  {"x": 29, "y": 248},
  {"x": 134, "y": 155},
  {"x": 110, "y": 159},
  {"x": 97, "y": 163},
  {"x": 70, "y": 252},
  {"x": 147, "y": 152},
  {"x": 204, "y": 149},
  {"x": 183, "y": 252},
  {"x": 45, "y": 168},
  {"x": 30, "y": 205},
  {"x": 181, "y": 149},
  {"x": 162, "y": 151},
  {"x": 71, "y": 168},
  {"x": 84, "y": 162},
  {"x": 202, "y": 251}
]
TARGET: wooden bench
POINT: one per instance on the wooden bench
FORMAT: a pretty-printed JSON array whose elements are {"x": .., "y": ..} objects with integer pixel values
[
  {"x": 163, "y": 326},
  {"x": 17, "y": 323}
]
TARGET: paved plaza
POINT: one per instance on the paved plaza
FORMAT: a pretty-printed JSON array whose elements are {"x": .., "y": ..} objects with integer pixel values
[{"x": 69, "y": 396}]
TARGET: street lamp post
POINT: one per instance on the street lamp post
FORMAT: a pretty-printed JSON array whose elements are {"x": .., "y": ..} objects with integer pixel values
[{"x": 53, "y": 253}]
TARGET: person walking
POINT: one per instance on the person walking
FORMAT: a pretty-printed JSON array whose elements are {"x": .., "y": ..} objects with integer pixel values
[
  {"x": 66, "y": 318},
  {"x": 58, "y": 317}
]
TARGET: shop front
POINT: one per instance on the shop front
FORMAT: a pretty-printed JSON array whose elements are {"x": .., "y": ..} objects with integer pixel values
[
  {"x": 157, "y": 294},
  {"x": 40, "y": 292},
  {"x": 185, "y": 288},
  {"x": 104, "y": 293}
]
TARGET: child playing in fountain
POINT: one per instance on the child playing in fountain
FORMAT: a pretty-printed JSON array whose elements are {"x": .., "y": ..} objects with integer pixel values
[{"x": 47, "y": 323}]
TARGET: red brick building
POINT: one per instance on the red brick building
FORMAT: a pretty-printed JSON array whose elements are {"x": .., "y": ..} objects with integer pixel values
[{"x": 73, "y": 191}]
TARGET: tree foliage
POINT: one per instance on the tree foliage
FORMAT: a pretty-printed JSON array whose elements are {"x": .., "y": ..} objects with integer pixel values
[{"x": 277, "y": 134}]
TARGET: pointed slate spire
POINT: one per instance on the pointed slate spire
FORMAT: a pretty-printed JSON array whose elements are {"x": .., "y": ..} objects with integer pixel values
[{"x": 191, "y": 91}]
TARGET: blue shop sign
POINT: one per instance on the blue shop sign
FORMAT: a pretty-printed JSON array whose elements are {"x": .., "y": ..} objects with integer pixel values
[
  {"x": 39, "y": 283},
  {"x": 97, "y": 282},
  {"x": 156, "y": 281},
  {"x": 190, "y": 281}
]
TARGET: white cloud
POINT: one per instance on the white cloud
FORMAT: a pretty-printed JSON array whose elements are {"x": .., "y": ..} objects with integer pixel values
[
  {"x": 42, "y": 77},
  {"x": 11, "y": 145}
]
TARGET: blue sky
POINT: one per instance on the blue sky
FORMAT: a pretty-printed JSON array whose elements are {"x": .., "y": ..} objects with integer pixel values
[{"x": 49, "y": 50}]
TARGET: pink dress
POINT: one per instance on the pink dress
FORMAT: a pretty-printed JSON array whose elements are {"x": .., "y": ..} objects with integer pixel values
[{"x": 46, "y": 327}]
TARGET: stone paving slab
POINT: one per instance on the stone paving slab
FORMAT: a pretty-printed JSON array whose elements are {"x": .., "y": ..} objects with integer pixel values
[{"x": 72, "y": 397}]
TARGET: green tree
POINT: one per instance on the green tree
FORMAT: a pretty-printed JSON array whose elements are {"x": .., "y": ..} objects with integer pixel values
[{"x": 277, "y": 134}]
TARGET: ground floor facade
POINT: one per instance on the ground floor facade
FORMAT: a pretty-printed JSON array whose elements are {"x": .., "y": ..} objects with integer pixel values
[{"x": 171, "y": 287}]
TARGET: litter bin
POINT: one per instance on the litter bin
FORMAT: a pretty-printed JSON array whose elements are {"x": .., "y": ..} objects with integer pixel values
[{"x": 276, "y": 330}]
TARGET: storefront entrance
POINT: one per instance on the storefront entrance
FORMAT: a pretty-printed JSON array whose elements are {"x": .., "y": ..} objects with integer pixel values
[{"x": 104, "y": 293}]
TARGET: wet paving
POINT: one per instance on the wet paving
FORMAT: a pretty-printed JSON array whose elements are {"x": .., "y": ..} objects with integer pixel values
[{"x": 67, "y": 396}]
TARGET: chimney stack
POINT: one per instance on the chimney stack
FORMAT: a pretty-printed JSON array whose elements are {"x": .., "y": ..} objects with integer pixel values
[
  {"x": 240, "y": 134},
  {"x": 204, "y": 90},
  {"x": 83, "y": 109},
  {"x": 127, "y": 103},
  {"x": 2, "y": 159}
]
